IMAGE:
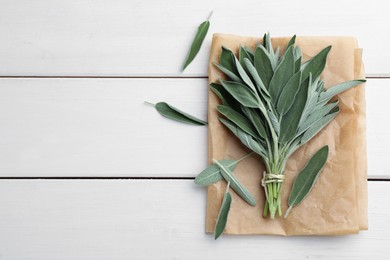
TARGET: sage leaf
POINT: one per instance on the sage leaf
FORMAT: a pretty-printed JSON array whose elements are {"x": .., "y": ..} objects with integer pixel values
[
  {"x": 238, "y": 119},
  {"x": 245, "y": 138},
  {"x": 274, "y": 122},
  {"x": 241, "y": 93},
  {"x": 244, "y": 54},
  {"x": 236, "y": 185},
  {"x": 228, "y": 60},
  {"x": 306, "y": 179},
  {"x": 175, "y": 114},
  {"x": 316, "y": 116},
  {"x": 245, "y": 76},
  {"x": 315, "y": 128},
  {"x": 263, "y": 65},
  {"x": 228, "y": 73},
  {"x": 283, "y": 73},
  {"x": 222, "y": 215},
  {"x": 256, "y": 121},
  {"x": 212, "y": 173},
  {"x": 337, "y": 89},
  {"x": 291, "y": 42},
  {"x": 315, "y": 65},
  {"x": 259, "y": 83},
  {"x": 288, "y": 94},
  {"x": 291, "y": 120},
  {"x": 197, "y": 42}
]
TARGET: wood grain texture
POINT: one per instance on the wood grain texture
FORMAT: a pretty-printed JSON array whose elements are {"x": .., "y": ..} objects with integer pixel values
[
  {"x": 154, "y": 220},
  {"x": 101, "y": 127},
  {"x": 152, "y": 38}
]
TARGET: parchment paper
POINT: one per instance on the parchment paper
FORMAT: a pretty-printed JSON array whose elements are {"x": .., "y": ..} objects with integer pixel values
[{"x": 338, "y": 202}]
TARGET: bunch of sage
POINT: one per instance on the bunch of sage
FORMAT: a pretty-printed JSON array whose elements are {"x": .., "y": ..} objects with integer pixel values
[{"x": 274, "y": 104}]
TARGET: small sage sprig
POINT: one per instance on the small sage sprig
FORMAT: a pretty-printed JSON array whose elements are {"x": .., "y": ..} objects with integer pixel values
[
  {"x": 223, "y": 169},
  {"x": 176, "y": 114},
  {"x": 197, "y": 42}
]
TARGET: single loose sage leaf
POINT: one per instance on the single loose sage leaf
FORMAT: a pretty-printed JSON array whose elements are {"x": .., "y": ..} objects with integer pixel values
[
  {"x": 288, "y": 94},
  {"x": 223, "y": 215},
  {"x": 241, "y": 93},
  {"x": 212, "y": 173},
  {"x": 283, "y": 73},
  {"x": 175, "y": 114},
  {"x": 197, "y": 43},
  {"x": 315, "y": 65},
  {"x": 337, "y": 89},
  {"x": 238, "y": 119},
  {"x": 306, "y": 179},
  {"x": 263, "y": 65},
  {"x": 236, "y": 185}
]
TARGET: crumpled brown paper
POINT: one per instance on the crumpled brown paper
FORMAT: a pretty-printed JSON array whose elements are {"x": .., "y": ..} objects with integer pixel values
[{"x": 338, "y": 202}]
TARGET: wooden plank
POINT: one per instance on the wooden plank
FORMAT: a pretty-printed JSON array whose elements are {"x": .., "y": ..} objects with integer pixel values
[
  {"x": 154, "y": 220},
  {"x": 100, "y": 127},
  {"x": 96, "y": 38}
]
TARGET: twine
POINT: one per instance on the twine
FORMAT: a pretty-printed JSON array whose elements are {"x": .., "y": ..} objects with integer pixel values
[{"x": 270, "y": 178}]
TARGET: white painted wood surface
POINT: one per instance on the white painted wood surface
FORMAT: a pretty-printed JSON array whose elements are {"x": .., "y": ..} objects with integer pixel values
[
  {"x": 101, "y": 127},
  {"x": 151, "y": 38},
  {"x": 131, "y": 219}
]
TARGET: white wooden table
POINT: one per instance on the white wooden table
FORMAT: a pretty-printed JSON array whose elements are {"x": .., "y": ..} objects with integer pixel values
[{"x": 88, "y": 172}]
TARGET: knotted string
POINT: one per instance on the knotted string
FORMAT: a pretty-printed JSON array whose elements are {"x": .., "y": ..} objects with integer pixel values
[{"x": 270, "y": 177}]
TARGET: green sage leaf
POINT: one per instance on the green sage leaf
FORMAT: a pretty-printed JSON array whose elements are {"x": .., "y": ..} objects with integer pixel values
[
  {"x": 254, "y": 117},
  {"x": 228, "y": 60},
  {"x": 197, "y": 43},
  {"x": 241, "y": 93},
  {"x": 212, "y": 173},
  {"x": 238, "y": 119},
  {"x": 222, "y": 215},
  {"x": 315, "y": 128},
  {"x": 306, "y": 179},
  {"x": 291, "y": 120},
  {"x": 315, "y": 116},
  {"x": 283, "y": 73},
  {"x": 236, "y": 185},
  {"x": 263, "y": 65},
  {"x": 287, "y": 97},
  {"x": 175, "y": 114},
  {"x": 259, "y": 83},
  {"x": 245, "y": 138},
  {"x": 245, "y": 76},
  {"x": 245, "y": 54},
  {"x": 315, "y": 65},
  {"x": 337, "y": 89},
  {"x": 228, "y": 73},
  {"x": 291, "y": 42}
]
